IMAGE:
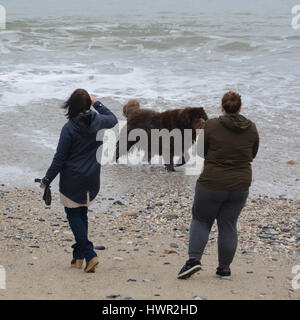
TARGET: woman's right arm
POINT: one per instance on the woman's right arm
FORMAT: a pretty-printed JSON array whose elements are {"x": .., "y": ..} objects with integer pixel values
[
  {"x": 107, "y": 118},
  {"x": 61, "y": 155}
]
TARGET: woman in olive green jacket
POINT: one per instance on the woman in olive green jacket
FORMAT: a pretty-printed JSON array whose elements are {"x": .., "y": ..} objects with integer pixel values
[{"x": 230, "y": 144}]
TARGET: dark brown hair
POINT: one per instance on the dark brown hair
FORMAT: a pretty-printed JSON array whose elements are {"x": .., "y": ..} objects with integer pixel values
[
  {"x": 231, "y": 102},
  {"x": 79, "y": 101}
]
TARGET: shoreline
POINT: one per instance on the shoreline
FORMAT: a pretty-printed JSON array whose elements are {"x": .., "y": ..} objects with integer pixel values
[
  {"x": 128, "y": 173},
  {"x": 139, "y": 257}
]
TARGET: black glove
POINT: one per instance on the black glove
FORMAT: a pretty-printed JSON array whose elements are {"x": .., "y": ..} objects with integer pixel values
[{"x": 47, "y": 193}]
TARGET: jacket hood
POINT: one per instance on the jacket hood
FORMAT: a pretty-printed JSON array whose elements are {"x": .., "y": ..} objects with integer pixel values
[
  {"x": 235, "y": 122},
  {"x": 85, "y": 123}
]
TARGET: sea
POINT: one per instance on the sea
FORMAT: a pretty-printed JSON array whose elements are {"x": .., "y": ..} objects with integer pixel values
[{"x": 166, "y": 53}]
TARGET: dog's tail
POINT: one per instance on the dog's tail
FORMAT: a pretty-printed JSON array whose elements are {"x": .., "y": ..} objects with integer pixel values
[{"x": 131, "y": 106}]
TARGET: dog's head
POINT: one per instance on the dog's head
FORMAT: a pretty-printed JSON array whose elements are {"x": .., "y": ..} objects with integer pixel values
[
  {"x": 193, "y": 117},
  {"x": 130, "y": 106}
]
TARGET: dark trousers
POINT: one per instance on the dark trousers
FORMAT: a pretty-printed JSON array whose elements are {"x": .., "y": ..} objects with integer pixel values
[
  {"x": 223, "y": 206},
  {"x": 78, "y": 220}
]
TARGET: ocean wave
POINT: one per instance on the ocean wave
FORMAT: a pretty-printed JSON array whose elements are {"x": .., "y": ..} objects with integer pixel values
[{"x": 237, "y": 46}]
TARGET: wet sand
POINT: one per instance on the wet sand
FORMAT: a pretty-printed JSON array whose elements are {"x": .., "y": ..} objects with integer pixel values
[{"x": 144, "y": 252}]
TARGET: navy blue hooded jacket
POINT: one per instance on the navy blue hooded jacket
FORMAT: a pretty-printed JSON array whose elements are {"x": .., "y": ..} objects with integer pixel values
[{"x": 75, "y": 157}]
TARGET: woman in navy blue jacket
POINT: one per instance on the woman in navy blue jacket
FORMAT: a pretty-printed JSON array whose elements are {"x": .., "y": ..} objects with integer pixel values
[{"x": 75, "y": 160}]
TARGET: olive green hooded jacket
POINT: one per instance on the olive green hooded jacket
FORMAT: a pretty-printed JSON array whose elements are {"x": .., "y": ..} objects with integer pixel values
[{"x": 230, "y": 144}]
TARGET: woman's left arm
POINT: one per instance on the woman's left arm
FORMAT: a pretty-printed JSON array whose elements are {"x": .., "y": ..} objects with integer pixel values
[
  {"x": 206, "y": 143},
  {"x": 256, "y": 144},
  {"x": 61, "y": 155}
]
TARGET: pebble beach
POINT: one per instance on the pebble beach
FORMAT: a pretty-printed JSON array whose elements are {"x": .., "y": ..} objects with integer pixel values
[{"x": 140, "y": 233}]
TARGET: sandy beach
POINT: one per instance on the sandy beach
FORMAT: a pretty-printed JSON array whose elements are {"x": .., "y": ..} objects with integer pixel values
[{"x": 144, "y": 252}]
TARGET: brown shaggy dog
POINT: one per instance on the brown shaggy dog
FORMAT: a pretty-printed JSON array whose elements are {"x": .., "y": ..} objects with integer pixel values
[{"x": 146, "y": 119}]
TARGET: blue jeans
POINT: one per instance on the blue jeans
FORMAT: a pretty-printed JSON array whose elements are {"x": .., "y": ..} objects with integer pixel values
[{"x": 78, "y": 220}]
